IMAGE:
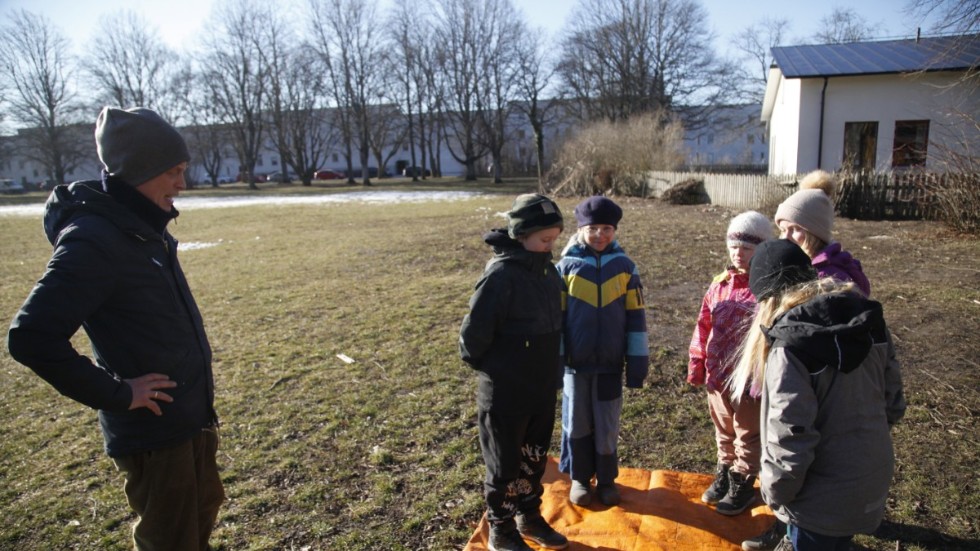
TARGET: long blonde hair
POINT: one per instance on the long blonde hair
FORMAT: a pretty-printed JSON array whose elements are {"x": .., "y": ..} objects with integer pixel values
[{"x": 751, "y": 368}]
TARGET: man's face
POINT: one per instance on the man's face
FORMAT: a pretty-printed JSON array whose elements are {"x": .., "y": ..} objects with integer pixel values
[{"x": 162, "y": 189}]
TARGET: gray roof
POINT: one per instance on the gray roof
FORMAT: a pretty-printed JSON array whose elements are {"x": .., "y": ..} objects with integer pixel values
[{"x": 948, "y": 53}]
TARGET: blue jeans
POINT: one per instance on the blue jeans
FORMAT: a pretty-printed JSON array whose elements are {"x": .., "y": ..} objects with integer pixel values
[{"x": 806, "y": 540}]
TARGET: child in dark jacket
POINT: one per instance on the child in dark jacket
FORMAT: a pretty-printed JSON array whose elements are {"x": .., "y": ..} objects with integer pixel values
[
  {"x": 605, "y": 330},
  {"x": 822, "y": 357},
  {"x": 726, "y": 312},
  {"x": 512, "y": 337}
]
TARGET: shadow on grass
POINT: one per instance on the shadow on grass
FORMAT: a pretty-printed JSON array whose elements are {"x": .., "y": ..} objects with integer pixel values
[{"x": 926, "y": 538}]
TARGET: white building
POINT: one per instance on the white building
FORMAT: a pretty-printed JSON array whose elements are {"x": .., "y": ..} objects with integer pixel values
[{"x": 883, "y": 106}]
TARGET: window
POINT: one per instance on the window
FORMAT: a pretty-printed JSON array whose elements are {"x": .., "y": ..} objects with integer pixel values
[
  {"x": 911, "y": 142},
  {"x": 751, "y": 139},
  {"x": 334, "y": 157},
  {"x": 860, "y": 145}
]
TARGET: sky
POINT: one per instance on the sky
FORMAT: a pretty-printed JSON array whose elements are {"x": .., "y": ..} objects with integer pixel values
[{"x": 180, "y": 23}]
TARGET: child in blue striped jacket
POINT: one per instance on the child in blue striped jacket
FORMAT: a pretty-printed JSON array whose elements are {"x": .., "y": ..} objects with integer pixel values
[{"x": 604, "y": 334}]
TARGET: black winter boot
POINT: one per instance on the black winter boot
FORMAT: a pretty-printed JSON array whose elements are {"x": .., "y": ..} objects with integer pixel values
[
  {"x": 719, "y": 486},
  {"x": 741, "y": 494}
]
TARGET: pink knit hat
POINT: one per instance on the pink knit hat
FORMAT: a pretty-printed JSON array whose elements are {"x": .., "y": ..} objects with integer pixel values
[{"x": 810, "y": 209}]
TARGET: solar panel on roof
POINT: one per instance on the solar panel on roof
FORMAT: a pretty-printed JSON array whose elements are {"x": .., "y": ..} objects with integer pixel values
[{"x": 868, "y": 58}]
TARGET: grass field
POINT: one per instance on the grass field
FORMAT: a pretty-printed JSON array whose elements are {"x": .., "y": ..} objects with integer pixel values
[{"x": 382, "y": 453}]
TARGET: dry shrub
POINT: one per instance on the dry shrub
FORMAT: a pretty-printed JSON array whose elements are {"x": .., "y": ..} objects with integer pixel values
[
  {"x": 688, "y": 192},
  {"x": 613, "y": 158},
  {"x": 955, "y": 200}
]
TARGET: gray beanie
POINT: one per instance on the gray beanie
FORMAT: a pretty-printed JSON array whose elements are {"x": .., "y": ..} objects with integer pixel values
[
  {"x": 532, "y": 212},
  {"x": 136, "y": 145},
  {"x": 811, "y": 209}
]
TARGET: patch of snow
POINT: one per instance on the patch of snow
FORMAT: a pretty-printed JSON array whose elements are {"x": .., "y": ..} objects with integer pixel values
[
  {"x": 194, "y": 245},
  {"x": 372, "y": 197}
]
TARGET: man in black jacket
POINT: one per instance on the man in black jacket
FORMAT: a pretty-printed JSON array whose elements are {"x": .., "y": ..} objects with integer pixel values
[{"x": 114, "y": 272}]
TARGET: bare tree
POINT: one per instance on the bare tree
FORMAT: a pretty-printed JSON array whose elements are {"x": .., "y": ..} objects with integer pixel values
[
  {"x": 498, "y": 88},
  {"x": 128, "y": 63},
  {"x": 409, "y": 48},
  {"x": 624, "y": 57},
  {"x": 755, "y": 44},
  {"x": 37, "y": 70},
  {"x": 386, "y": 134},
  {"x": 953, "y": 16},
  {"x": 469, "y": 33},
  {"x": 347, "y": 40},
  {"x": 207, "y": 134},
  {"x": 274, "y": 51},
  {"x": 843, "y": 25},
  {"x": 308, "y": 129},
  {"x": 236, "y": 78},
  {"x": 534, "y": 76}
]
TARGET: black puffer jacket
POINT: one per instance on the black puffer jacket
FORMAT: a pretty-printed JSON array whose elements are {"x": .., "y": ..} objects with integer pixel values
[
  {"x": 512, "y": 334},
  {"x": 112, "y": 274}
]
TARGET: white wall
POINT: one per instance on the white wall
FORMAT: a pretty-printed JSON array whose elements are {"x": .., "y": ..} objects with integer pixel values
[
  {"x": 880, "y": 98},
  {"x": 784, "y": 128}
]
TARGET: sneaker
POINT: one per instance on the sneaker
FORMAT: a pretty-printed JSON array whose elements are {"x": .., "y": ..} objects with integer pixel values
[
  {"x": 608, "y": 494},
  {"x": 785, "y": 544},
  {"x": 741, "y": 494},
  {"x": 506, "y": 540},
  {"x": 719, "y": 486},
  {"x": 536, "y": 529},
  {"x": 580, "y": 494},
  {"x": 768, "y": 540}
]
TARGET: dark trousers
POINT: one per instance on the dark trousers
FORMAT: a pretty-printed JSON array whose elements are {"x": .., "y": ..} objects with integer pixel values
[
  {"x": 176, "y": 492},
  {"x": 806, "y": 540},
  {"x": 515, "y": 451}
]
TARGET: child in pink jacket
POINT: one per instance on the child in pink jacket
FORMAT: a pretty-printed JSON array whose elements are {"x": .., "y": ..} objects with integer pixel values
[{"x": 726, "y": 310}]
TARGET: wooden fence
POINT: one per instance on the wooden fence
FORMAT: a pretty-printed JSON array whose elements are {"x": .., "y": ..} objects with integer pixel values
[
  {"x": 863, "y": 196},
  {"x": 736, "y": 191},
  {"x": 870, "y": 196}
]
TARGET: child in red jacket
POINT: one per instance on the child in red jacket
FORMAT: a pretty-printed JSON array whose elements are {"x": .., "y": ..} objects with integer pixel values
[{"x": 727, "y": 308}]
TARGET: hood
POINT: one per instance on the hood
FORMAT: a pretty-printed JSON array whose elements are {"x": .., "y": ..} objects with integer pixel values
[
  {"x": 70, "y": 200},
  {"x": 834, "y": 330}
]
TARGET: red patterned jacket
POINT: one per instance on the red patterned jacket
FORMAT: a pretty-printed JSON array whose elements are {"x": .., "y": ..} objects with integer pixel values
[{"x": 726, "y": 313}]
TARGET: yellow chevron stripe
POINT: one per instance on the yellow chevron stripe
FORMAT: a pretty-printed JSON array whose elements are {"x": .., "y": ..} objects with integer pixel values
[
  {"x": 612, "y": 290},
  {"x": 582, "y": 289}
]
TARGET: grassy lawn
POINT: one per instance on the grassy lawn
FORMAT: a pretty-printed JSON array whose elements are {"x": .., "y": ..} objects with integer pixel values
[{"x": 382, "y": 453}]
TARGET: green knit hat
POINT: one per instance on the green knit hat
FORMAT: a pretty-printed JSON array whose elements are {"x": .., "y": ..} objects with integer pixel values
[{"x": 532, "y": 212}]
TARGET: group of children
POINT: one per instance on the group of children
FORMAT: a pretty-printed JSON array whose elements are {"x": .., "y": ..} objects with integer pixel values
[{"x": 799, "y": 368}]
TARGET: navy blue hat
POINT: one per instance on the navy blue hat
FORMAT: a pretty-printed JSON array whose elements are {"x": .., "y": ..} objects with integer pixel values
[
  {"x": 777, "y": 265},
  {"x": 598, "y": 210}
]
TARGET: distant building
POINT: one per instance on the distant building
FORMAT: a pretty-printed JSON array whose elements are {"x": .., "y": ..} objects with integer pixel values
[{"x": 732, "y": 139}]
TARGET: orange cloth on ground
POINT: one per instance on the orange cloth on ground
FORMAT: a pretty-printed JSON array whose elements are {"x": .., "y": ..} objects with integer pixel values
[{"x": 660, "y": 510}]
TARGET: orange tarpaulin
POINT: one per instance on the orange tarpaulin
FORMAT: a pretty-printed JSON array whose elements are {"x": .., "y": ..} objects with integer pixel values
[{"x": 659, "y": 510}]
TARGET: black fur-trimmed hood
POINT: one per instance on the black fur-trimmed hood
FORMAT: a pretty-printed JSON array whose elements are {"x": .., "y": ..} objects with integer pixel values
[{"x": 835, "y": 330}]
